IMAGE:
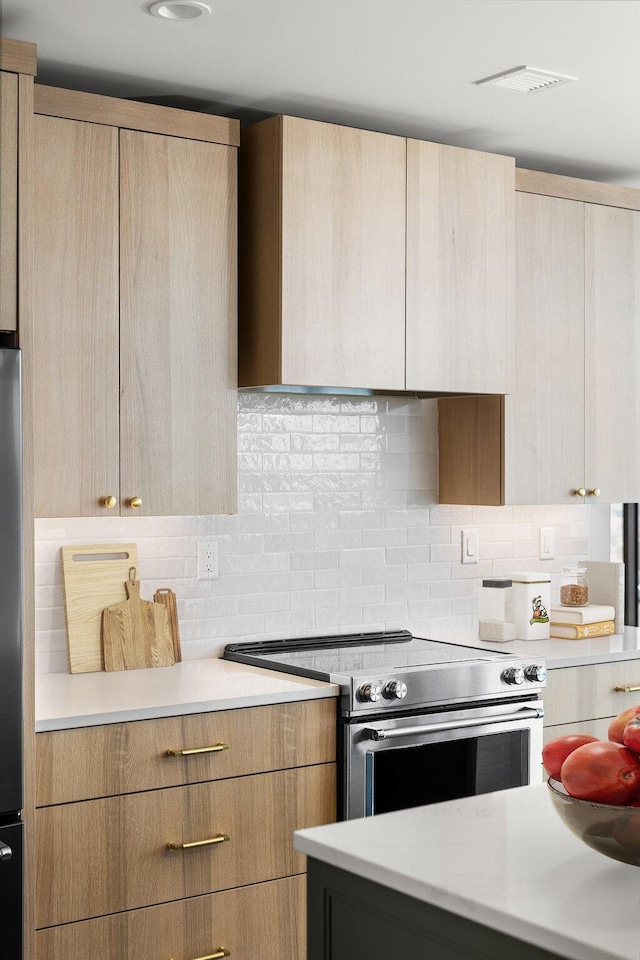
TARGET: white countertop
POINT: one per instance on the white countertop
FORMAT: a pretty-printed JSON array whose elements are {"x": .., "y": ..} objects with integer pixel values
[
  {"x": 504, "y": 860},
  {"x": 76, "y": 700},
  {"x": 66, "y": 700},
  {"x": 565, "y": 653}
]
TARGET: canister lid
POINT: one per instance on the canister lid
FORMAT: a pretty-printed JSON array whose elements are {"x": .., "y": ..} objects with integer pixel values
[
  {"x": 502, "y": 582},
  {"x": 534, "y": 577}
]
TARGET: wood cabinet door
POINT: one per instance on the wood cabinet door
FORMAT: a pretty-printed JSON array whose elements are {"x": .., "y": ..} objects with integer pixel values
[
  {"x": 544, "y": 417},
  {"x": 75, "y": 304},
  {"x": 343, "y": 256},
  {"x": 265, "y": 921},
  {"x": 459, "y": 269},
  {"x": 178, "y": 324},
  {"x": 612, "y": 364},
  {"x": 102, "y": 856},
  {"x": 132, "y": 756},
  {"x": 8, "y": 201}
]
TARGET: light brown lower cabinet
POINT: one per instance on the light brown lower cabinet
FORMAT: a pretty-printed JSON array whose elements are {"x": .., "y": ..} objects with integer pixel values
[
  {"x": 265, "y": 921},
  {"x": 159, "y": 867},
  {"x": 101, "y": 856},
  {"x": 585, "y": 699}
]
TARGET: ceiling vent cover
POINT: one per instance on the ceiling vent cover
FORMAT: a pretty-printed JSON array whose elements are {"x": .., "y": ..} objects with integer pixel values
[{"x": 526, "y": 79}]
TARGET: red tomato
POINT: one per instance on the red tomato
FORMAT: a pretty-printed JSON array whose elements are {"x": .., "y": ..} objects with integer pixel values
[
  {"x": 631, "y": 735},
  {"x": 617, "y": 725},
  {"x": 602, "y": 772},
  {"x": 556, "y": 751}
]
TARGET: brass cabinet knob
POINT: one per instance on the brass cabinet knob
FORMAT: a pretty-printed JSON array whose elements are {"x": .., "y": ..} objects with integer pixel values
[
  {"x": 110, "y": 501},
  {"x": 580, "y": 492},
  {"x": 595, "y": 492},
  {"x": 135, "y": 502}
]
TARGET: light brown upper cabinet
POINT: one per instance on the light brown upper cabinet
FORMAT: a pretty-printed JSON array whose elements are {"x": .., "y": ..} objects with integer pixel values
[
  {"x": 612, "y": 358},
  {"x": 460, "y": 263},
  {"x": 372, "y": 261},
  {"x": 569, "y": 429},
  {"x": 8, "y": 201},
  {"x": 322, "y": 255},
  {"x": 134, "y": 315},
  {"x": 17, "y": 69}
]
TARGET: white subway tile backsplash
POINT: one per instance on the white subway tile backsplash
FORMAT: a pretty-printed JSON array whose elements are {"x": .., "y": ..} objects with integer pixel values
[
  {"x": 337, "y": 529},
  {"x": 340, "y": 577}
]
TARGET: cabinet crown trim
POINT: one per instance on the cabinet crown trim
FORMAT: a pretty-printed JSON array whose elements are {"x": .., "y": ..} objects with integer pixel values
[
  {"x": 18, "y": 56},
  {"x": 135, "y": 115},
  {"x": 572, "y": 188}
]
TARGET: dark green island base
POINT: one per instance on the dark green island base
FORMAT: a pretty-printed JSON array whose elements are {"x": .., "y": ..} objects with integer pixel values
[{"x": 350, "y": 918}]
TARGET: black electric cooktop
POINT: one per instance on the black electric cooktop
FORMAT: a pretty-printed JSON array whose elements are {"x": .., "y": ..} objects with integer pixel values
[{"x": 352, "y": 654}]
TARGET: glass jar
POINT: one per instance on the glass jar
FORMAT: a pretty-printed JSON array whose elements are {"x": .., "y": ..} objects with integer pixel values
[
  {"x": 495, "y": 610},
  {"x": 574, "y": 589}
]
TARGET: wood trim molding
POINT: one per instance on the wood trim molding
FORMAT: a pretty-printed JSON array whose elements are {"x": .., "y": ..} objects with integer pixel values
[
  {"x": 572, "y": 188},
  {"x": 134, "y": 115},
  {"x": 26, "y": 334},
  {"x": 18, "y": 56}
]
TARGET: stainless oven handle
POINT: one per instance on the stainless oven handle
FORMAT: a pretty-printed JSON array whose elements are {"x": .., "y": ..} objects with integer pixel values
[{"x": 373, "y": 734}]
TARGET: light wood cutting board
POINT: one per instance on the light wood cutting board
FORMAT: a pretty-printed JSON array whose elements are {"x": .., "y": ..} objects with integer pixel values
[
  {"x": 166, "y": 596},
  {"x": 90, "y": 585},
  {"x": 135, "y": 633}
]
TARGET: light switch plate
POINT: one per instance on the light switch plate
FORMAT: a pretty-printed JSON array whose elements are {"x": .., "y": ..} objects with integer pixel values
[
  {"x": 547, "y": 543},
  {"x": 469, "y": 546}
]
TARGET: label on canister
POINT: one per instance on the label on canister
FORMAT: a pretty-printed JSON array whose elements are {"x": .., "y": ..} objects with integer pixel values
[{"x": 532, "y": 601}]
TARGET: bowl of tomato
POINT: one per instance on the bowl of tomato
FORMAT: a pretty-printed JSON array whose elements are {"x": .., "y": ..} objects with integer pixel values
[{"x": 594, "y": 786}]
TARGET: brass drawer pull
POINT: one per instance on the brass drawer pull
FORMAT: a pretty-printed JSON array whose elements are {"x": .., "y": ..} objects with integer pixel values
[
  {"x": 633, "y": 688},
  {"x": 217, "y": 748},
  {"x": 219, "y": 838},
  {"x": 218, "y": 955}
]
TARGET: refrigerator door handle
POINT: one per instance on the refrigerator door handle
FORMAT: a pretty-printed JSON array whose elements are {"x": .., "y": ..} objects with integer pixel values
[{"x": 5, "y": 852}]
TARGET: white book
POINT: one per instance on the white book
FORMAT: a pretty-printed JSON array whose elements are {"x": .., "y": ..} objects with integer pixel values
[{"x": 591, "y": 613}]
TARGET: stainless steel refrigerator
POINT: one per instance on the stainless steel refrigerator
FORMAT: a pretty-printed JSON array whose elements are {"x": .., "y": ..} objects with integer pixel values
[{"x": 11, "y": 826}]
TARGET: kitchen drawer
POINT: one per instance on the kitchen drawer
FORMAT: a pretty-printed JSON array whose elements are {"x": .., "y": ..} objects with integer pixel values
[
  {"x": 126, "y": 757},
  {"x": 588, "y": 693},
  {"x": 101, "y": 856},
  {"x": 261, "y": 922},
  {"x": 595, "y": 728}
]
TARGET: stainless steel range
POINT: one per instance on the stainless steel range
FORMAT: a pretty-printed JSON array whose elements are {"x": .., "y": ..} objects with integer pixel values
[{"x": 420, "y": 720}]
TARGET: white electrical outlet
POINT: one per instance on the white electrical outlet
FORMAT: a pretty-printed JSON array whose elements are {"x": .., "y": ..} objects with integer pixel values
[
  {"x": 207, "y": 560},
  {"x": 469, "y": 546},
  {"x": 547, "y": 543}
]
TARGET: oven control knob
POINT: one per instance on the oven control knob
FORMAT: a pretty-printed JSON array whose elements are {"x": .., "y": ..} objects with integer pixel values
[
  {"x": 513, "y": 675},
  {"x": 535, "y": 672},
  {"x": 369, "y": 692},
  {"x": 394, "y": 690}
]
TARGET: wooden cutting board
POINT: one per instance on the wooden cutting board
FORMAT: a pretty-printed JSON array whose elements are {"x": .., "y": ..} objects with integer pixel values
[
  {"x": 168, "y": 597},
  {"x": 135, "y": 633},
  {"x": 94, "y": 576}
]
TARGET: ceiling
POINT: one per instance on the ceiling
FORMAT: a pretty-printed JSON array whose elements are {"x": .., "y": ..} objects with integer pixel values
[{"x": 400, "y": 66}]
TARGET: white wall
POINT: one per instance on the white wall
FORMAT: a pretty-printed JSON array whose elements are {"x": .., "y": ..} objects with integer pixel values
[{"x": 337, "y": 531}]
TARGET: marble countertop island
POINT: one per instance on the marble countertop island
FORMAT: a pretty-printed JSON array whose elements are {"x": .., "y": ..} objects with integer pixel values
[{"x": 504, "y": 860}]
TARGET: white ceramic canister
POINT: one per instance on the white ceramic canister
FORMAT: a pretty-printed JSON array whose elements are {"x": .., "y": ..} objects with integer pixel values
[{"x": 531, "y": 604}]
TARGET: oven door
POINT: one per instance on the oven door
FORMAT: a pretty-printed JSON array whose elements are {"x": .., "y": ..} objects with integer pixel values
[{"x": 409, "y": 761}]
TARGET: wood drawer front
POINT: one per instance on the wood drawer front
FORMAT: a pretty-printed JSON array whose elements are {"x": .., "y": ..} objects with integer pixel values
[
  {"x": 102, "y": 856},
  {"x": 262, "y": 922},
  {"x": 587, "y": 693},
  {"x": 595, "y": 728},
  {"x": 126, "y": 757}
]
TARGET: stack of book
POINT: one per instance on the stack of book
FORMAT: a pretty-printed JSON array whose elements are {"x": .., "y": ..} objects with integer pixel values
[{"x": 578, "y": 623}]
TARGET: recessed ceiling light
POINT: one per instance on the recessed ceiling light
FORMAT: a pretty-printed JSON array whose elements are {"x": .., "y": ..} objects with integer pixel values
[
  {"x": 526, "y": 79},
  {"x": 179, "y": 9}
]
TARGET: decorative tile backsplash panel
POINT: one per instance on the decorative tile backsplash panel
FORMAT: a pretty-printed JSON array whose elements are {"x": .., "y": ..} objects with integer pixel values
[{"x": 337, "y": 531}]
